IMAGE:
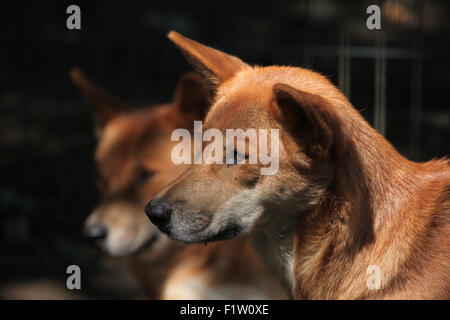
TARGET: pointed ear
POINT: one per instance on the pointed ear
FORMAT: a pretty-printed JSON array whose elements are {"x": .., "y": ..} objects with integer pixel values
[
  {"x": 216, "y": 66},
  {"x": 105, "y": 107},
  {"x": 191, "y": 97},
  {"x": 308, "y": 118}
]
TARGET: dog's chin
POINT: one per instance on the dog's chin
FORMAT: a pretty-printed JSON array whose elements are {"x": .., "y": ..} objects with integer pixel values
[
  {"x": 130, "y": 250},
  {"x": 229, "y": 232}
]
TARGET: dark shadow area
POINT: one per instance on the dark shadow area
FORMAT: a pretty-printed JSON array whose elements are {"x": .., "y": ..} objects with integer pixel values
[{"x": 47, "y": 181}]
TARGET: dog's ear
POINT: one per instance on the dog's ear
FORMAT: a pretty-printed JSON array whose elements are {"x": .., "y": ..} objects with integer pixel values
[
  {"x": 308, "y": 118},
  {"x": 191, "y": 97},
  {"x": 105, "y": 106},
  {"x": 216, "y": 66}
]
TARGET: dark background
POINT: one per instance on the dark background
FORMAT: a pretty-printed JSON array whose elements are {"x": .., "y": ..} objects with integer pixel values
[{"x": 46, "y": 135}]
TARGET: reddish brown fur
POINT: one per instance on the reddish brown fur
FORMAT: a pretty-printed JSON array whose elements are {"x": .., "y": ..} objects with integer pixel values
[
  {"x": 353, "y": 199},
  {"x": 131, "y": 141}
]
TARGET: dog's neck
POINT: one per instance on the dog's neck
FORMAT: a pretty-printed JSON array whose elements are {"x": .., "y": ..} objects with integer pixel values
[
  {"x": 349, "y": 228},
  {"x": 370, "y": 186},
  {"x": 372, "y": 178},
  {"x": 274, "y": 243}
]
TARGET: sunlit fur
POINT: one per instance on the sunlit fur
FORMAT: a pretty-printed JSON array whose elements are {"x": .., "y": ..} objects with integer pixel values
[
  {"x": 342, "y": 200},
  {"x": 129, "y": 142}
]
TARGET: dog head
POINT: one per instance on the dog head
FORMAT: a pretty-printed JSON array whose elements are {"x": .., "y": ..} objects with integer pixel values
[
  {"x": 221, "y": 201},
  {"x": 133, "y": 162}
]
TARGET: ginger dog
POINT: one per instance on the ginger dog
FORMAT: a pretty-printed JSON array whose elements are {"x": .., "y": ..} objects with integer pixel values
[
  {"x": 133, "y": 161},
  {"x": 343, "y": 202}
]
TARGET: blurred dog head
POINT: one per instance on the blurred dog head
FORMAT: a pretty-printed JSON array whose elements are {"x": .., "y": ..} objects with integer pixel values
[{"x": 133, "y": 161}]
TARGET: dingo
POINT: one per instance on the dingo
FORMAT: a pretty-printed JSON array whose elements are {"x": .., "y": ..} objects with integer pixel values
[
  {"x": 133, "y": 160},
  {"x": 343, "y": 199}
]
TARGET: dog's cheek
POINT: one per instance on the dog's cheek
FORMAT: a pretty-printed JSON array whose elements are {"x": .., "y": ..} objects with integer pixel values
[{"x": 247, "y": 175}]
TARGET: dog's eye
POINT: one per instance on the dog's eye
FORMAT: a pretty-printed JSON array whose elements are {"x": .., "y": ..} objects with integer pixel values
[
  {"x": 238, "y": 158},
  {"x": 144, "y": 175}
]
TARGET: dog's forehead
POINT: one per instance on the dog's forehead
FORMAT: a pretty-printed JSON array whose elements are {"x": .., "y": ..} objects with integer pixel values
[
  {"x": 245, "y": 108},
  {"x": 252, "y": 90},
  {"x": 242, "y": 117},
  {"x": 246, "y": 97},
  {"x": 129, "y": 129},
  {"x": 114, "y": 136}
]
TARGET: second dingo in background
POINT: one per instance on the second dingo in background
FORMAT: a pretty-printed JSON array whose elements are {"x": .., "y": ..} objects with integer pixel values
[{"x": 133, "y": 160}]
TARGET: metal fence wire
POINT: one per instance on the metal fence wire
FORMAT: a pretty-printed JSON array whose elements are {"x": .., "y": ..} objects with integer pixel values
[{"x": 397, "y": 77}]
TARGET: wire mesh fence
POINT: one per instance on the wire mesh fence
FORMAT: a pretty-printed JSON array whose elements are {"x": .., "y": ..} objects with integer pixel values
[{"x": 397, "y": 77}]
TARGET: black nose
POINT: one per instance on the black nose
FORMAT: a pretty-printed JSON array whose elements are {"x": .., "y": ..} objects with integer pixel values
[
  {"x": 96, "y": 233},
  {"x": 159, "y": 213}
]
